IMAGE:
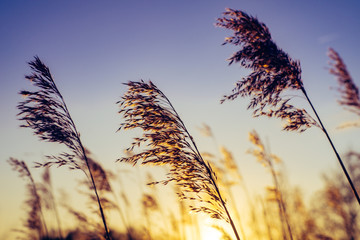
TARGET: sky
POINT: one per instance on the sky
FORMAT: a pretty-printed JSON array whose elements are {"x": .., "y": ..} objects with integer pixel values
[{"x": 93, "y": 47}]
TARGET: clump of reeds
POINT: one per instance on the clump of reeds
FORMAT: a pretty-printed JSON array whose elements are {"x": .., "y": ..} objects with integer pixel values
[
  {"x": 273, "y": 73},
  {"x": 45, "y": 112},
  {"x": 349, "y": 92},
  {"x": 168, "y": 142}
]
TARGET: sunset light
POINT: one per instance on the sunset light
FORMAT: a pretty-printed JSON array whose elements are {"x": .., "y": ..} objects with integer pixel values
[
  {"x": 210, "y": 233},
  {"x": 179, "y": 120}
]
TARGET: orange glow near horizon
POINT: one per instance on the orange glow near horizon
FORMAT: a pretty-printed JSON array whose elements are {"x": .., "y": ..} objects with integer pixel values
[
  {"x": 209, "y": 229},
  {"x": 210, "y": 233}
]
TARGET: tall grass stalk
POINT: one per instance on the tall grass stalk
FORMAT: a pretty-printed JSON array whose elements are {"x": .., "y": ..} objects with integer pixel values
[
  {"x": 169, "y": 143},
  {"x": 226, "y": 167},
  {"x": 273, "y": 73},
  {"x": 36, "y": 218},
  {"x": 267, "y": 159},
  {"x": 46, "y": 113}
]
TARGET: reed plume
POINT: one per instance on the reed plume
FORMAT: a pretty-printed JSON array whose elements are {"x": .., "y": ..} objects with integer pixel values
[
  {"x": 169, "y": 143},
  {"x": 273, "y": 73},
  {"x": 349, "y": 92},
  {"x": 45, "y": 112}
]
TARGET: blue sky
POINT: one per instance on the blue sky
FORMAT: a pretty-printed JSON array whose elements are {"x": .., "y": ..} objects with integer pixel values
[{"x": 93, "y": 47}]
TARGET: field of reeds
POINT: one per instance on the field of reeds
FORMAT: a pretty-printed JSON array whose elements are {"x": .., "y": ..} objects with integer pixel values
[{"x": 163, "y": 185}]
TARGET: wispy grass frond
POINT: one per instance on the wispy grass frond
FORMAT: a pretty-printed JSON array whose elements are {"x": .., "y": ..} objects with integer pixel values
[
  {"x": 45, "y": 112},
  {"x": 145, "y": 106},
  {"x": 349, "y": 92},
  {"x": 166, "y": 141},
  {"x": 273, "y": 71},
  {"x": 260, "y": 152}
]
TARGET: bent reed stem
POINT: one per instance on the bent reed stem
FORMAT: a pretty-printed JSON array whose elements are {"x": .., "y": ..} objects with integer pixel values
[
  {"x": 46, "y": 112},
  {"x": 97, "y": 196},
  {"x": 169, "y": 142},
  {"x": 273, "y": 72},
  {"x": 107, "y": 235},
  {"x": 212, "y": 177},
  {"x": 333, "y": 147}
]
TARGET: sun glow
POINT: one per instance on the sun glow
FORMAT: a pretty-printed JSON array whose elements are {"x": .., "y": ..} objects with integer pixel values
[{"x": 210, "y": 233}]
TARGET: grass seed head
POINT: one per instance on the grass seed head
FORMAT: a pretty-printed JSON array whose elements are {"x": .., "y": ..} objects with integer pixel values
[
  {"x": 273, "y": 71},
  {"x": 166, "y": 141}
]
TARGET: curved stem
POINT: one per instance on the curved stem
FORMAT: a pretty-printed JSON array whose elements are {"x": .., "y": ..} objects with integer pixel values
[
  {"x": 96, "y": 194},
  {"x": 203, "y": 163},
  {"x": 226, "y": 210},
  {"x": 333, "y": 147},
  {"x": 83, "y": 153}
]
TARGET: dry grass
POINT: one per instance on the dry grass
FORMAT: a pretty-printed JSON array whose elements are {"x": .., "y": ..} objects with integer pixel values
[
  {"x": 166, "y": 142},
  {"x": 45, "y": 112},
  {"x": 273, "y": 74},
  {"x": 169, "y": 143},
  {"x": 273, "y": 71}
]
